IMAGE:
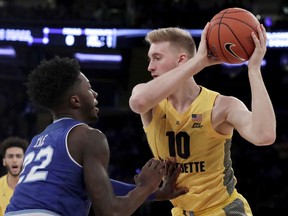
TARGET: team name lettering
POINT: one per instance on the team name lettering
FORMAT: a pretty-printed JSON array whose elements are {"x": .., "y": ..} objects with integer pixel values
[
  {"x": 192, "y": 167},
  {"x": 40, "y": 141}
]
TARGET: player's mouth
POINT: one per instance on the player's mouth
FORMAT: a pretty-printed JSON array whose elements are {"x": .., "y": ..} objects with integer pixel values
[
  {"x": 15, "y": 168},
  {"x": 96, "y": 108}
]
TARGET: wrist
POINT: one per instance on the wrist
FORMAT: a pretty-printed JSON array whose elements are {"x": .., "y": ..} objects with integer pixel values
[{"x": 152, "y": 196}]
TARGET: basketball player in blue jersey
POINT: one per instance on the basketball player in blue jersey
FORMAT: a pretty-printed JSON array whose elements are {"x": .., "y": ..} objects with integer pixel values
[
  {"x": 193, "y": 124},
  {"x": 65, "y": 166}
]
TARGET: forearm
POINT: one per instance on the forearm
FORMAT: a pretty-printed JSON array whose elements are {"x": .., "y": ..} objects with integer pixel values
[
  {"x": 148, "y": 95},
  {"x": 122, "y": 189},
  {"x": 132, "y": 201},
  {"x": 263, "y": 115}
]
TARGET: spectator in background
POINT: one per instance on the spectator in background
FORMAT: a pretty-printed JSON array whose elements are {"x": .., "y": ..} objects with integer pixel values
[{"x": 12, "y": 151}]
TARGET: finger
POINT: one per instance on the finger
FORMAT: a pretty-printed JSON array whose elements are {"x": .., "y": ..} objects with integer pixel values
[
  {"x": 181, "y": 191},
  {"x": 162, "y": 171},
  {"x": 255, "y": 39},
  {"x": 206, "y": 27},
  {"x": 172, "y": 168},
  {"x": 158, "y": 165},
  {"x": 260, "y": 34},
  {"x": 174, "y": 173},
  {"x": 162, "y": 168},
  {"x": 149, "y": 162},
  {"x": 264, "y": 34},
  {"x": 205, "y": 30},
  {"x": 135, "y": 177},
  {"x": 167, "y": 165},
  {"x": 263, "y": 29}
]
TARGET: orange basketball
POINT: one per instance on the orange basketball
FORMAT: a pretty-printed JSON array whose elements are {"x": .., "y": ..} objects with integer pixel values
[{"x": 229, "y": 35}]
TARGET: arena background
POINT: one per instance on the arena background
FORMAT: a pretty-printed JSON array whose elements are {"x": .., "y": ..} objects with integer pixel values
[{"x": 113, "y": 30}]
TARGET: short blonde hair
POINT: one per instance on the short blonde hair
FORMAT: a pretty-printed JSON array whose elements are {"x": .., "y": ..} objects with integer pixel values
[{"x": 178, "y": 37}]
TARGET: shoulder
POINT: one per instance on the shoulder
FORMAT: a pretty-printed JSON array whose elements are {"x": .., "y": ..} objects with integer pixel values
[
  {"x": 86, "y": 134},
  {"x": 3, "y": 180},
  {"x": 84, "y": 140},
  {"x": 3, "y": 177},
  {"x": 85, "y": 130},
  {"x": 227, "y": 105},
  {"x": 225, "y": 100}
]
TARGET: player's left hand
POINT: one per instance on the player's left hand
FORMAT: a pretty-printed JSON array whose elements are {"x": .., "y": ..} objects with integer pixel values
[
  {"x": 168, "y": 189},
  {"x": 260, "y": 47}
]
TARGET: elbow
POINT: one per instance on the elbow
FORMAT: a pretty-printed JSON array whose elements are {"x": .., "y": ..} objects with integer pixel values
[
  {"x": 137, "y": 104},
  {"x": 265, "y": 139}
]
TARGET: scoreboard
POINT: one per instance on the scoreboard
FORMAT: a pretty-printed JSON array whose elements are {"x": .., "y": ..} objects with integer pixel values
[
  {"x": 97, "y": 37},
  {"x": 74, "y": 37}
]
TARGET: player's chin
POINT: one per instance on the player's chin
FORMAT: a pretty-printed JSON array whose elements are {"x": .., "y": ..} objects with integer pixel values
[
  {"x": 92, "y": 119},
  {"x": 15, "y": 173},
  {"x": 96, "y": 110},
  {"x": 95, "y": 114}
]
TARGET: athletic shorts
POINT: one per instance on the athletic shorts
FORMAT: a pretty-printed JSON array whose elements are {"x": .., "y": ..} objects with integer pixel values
[{"x": 236, "y": 205}]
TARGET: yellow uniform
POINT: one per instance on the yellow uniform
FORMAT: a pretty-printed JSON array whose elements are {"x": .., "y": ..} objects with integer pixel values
[
  {"x": 6, "y": 193},
  {"x": 203, "y": 154}
]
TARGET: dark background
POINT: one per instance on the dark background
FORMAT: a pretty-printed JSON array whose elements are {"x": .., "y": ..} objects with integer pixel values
[{"x": 261, "y": 171}]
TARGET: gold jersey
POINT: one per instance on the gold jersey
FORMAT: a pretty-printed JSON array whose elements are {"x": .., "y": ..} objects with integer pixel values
[
  {"x": 6, "y": 193},
  {"x": 202, "y": 153}
]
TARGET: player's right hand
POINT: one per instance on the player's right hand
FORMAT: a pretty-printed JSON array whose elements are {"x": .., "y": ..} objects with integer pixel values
[
  {"x": 169, "y": 190},
  {"x": 203, "y": 54},
  {"x": 151, "y": 174}
]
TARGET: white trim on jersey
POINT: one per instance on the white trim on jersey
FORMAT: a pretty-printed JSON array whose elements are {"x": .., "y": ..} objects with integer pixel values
[{"x": 32, "y": 212}]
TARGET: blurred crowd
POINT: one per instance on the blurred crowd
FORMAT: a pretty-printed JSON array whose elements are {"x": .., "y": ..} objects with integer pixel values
[{"x": 129, "y": 13}]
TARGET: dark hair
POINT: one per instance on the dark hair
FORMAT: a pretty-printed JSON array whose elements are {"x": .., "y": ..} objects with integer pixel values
[
  {"x": 49, "y": 82},
  {"x": 13, "y": 141}
]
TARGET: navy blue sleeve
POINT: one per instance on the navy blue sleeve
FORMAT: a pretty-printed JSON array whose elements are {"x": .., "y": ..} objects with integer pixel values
[{"x": 122, "y": 189}]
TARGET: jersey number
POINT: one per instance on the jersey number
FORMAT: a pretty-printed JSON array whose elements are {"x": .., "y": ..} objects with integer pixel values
[
  {"x": 179, "y": 143},
  {"x": 44, "y": 156}
]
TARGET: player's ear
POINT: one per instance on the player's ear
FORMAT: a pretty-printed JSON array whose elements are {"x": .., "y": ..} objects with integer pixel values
[
  {"x": 182, "y": 58},
  {"x": 74, "y": 100}
]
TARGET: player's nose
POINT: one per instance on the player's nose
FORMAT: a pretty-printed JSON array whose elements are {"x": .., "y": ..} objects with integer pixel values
[{"x": 151, "y": 67}]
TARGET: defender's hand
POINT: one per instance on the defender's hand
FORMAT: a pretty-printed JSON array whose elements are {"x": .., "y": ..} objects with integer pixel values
[{"x": 168, "y": 190}]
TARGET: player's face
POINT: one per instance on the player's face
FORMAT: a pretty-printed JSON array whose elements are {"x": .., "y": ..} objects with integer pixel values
[
  {"x": 162, "y": 58},
  {"x": 13, "y": 160},
  {"x": 88, "y": 100}
]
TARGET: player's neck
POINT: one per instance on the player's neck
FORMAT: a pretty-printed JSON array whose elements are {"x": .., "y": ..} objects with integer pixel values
[
  {"x": 183, "y": 98},
  {"x": 12, "y": 180},
  {"x": 62, "y": 115}
]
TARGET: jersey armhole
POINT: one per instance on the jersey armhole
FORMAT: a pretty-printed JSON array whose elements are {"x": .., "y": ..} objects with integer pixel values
[
  {"x": 66, "y": 145},
  {"x": 154, "y": 117}
]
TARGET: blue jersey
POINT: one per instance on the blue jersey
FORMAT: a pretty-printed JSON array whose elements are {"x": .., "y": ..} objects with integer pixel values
[{"x": 51, "y": 180}]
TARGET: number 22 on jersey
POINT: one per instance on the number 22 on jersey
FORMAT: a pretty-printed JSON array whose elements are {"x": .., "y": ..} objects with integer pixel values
[{"x": 39, "y": 162}]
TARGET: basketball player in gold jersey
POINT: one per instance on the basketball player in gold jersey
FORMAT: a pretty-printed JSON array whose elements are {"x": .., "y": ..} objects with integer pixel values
[{"x": 193, "y": 124}]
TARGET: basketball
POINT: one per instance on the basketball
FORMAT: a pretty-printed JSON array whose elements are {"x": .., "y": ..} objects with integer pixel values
[{"x": 229, "y": 35}]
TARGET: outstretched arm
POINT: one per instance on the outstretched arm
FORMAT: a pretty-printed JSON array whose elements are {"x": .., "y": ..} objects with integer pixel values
[
  {"x": 258, "y": 126},
  {"x": 122, "y": 188},
  {"x": 263, "y": 116},
  {"x": 167, "y": 191},
  {"x": 94, "y": 154}
]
